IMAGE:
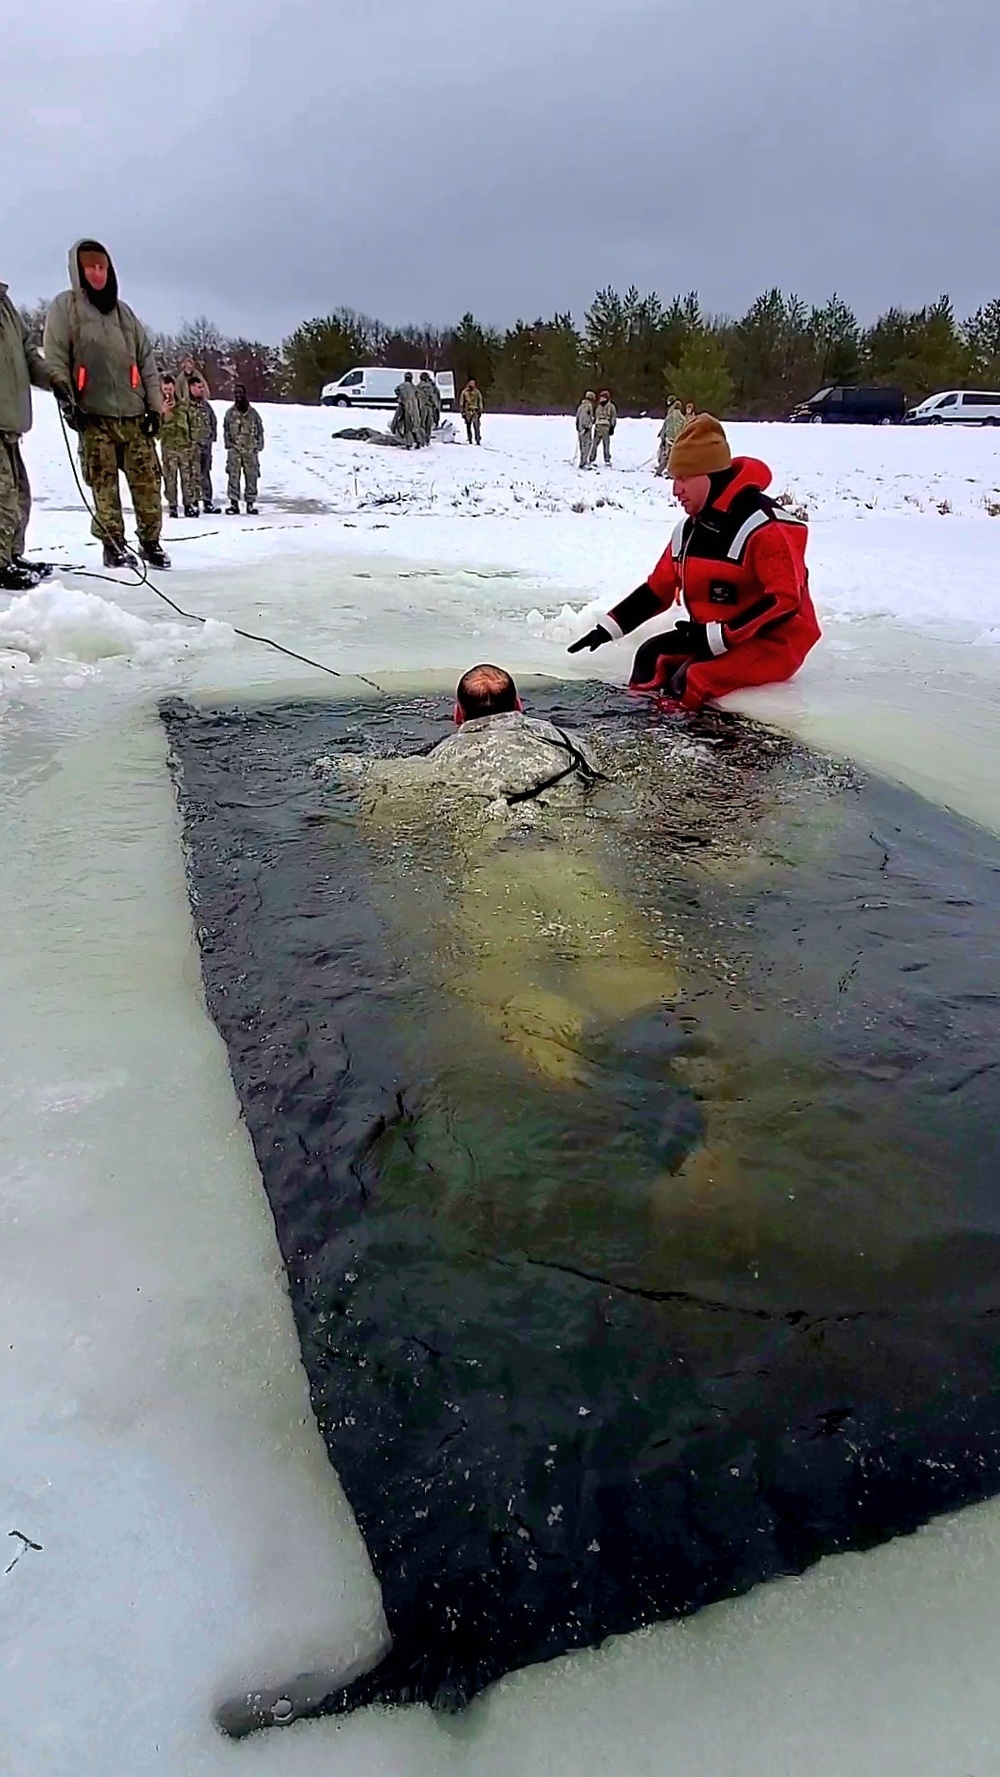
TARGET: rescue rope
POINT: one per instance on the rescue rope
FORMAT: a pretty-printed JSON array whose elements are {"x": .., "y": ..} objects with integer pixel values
[{"x": 137, "y": 566}]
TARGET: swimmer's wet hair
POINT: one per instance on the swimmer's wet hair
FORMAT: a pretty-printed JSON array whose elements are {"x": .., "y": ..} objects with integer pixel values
[{"x": 486, "y": 691}]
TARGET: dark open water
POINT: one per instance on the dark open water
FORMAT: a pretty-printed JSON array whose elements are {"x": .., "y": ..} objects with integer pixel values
[{"x": 575, "y": 1377}]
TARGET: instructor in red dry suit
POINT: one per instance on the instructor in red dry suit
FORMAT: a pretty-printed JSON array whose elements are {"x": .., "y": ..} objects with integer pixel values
[{"x": 737, "y": 562}]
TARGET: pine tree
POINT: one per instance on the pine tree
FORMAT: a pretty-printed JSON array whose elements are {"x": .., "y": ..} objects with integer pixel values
[
  {"x": 701, "y": 374},
  {"x": 472, "y": 351},
  {"x": 919, "y": 351},
  {"x": 981, "y": 334},
  {"x": 319, "y": 351},
  {"x": 560, "y": 363}
]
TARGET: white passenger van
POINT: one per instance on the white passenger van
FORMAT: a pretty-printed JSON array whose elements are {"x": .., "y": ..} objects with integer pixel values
[
  {"x": 976, "y": 407},
  {"x": 375, "y": 386}
]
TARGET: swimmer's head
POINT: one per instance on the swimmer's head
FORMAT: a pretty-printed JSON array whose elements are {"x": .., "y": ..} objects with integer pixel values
[{"x": 485, "y": 691}]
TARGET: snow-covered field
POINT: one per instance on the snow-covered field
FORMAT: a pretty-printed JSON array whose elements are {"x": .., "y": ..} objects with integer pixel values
[{"x": 157, "y": 1438}]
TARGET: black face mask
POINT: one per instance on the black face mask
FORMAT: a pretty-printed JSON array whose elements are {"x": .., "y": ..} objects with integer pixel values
[
  {"x": 103, "y": 300},
  {"x": 242, "y": 403}
]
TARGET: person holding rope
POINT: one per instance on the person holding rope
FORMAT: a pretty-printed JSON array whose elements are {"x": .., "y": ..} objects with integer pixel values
[{"x": 101, "y": 358}]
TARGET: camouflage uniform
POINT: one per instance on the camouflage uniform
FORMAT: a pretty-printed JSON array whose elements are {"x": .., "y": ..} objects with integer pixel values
[
  {"x": 471, "y": 405},
  {"x": 605, "y": 421},
  {"x": 100, "y": 350},
  {"x": 673, "y": 425},
  {"x": 21, "y": 364},
  {"x": 585, "y": 430},
  {"x": 178, "y": 455},
  {"x": 407, "y": 423},
  {"x": 429, "y": 403},
  {"x": 243, "y": 435},
  {"x": 204, "y": 432}
]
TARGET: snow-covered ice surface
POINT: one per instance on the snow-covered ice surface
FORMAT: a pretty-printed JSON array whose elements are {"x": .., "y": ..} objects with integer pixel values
[{"x": 157, "y": 1437}]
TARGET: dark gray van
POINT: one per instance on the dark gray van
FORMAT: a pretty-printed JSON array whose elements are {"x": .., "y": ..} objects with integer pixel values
[{"x": 847, "y": 405}]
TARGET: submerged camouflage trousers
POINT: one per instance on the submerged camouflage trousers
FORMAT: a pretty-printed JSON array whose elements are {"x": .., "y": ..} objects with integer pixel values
[
  {"x": 181, "y": 463},
  {"x": 109, "y": 448},
  {"x": 246, "y": 462},
  {"x": 15, "y": 498}
]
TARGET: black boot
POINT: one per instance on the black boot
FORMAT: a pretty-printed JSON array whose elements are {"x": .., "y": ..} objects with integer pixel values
[
  {"x": 117, "y": 556},
  {"x": 251, "y": 508},
  {"x": 42, "y": 570},
  {"x": 234, "y": 507},
  {"x": 172, "y": 511},
  {"x": 155, "y": 555},
  {"x": 15, "y": 579},
  {"x": 207, "y": 506},
  {"x": 191, "y": 512}
]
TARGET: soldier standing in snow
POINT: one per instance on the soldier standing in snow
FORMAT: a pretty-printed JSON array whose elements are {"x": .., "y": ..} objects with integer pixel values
[
  {"x": 99, "y": 351},
  {"x": 21, "y": 364},
  {"x": 605, "y": 421},
  {"x": 585, "y": 429},
  {"x": 407, "y": 421},
  {"x": 204, "y": 432},
  {"x": 243, "y": 436},
  {"x": 470, "y": 404},
  {"x": 176, "y": 453},
  {"x": 672, "y": 427},
  {"x": 429, "y": 402}
]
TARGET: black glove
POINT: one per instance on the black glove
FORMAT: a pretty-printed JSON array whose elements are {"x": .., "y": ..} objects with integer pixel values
[
  {"x": 689, "y": 638},
  {"x": 72, "y": 416},
  {"x": 151, "y": 424},
  {"x": 595, "y": 638}
]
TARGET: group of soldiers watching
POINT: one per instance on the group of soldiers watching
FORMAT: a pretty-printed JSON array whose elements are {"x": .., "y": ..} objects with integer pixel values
[
  {"x": 188, "y": 432},
  {"x": 597, "y": 418},
  {"x": 98, "y": 360}
]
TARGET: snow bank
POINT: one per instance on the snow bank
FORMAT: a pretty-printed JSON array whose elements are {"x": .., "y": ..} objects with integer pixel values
[{"x": 60, "y": 623}]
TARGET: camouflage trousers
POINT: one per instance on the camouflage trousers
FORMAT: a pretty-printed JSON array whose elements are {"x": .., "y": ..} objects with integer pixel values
[
  {"x": 204, "y": 459},
  {"x": 585, "y": 434},
  {"x": 15, "y": 498},
  {"x": 602, "y": 436},
  {"x": 109, "y": 448},
  {"x": 247, "y": 461},
  {"x": 182, "y": 464}
]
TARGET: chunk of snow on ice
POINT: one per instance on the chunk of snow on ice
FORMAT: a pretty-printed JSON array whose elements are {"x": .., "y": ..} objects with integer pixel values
[{"x": 57, "y": 622}]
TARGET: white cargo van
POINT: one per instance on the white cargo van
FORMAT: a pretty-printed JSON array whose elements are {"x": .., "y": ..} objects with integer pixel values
[
  {"x": 975, "y": 407},
  {"x": 375, "y": 386}
]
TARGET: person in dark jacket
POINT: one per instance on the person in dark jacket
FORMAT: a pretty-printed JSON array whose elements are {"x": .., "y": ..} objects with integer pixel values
[
  {"x": 737, "y": 563},
  {"x": 100, "y": 353},
  {"x": 21, "y": 365}
]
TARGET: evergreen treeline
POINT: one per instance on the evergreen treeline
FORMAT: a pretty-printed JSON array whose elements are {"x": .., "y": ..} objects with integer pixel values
[{"x": 639, "y": 347}]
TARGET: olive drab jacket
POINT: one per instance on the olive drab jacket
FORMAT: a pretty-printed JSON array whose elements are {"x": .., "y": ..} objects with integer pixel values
[
  {"x": 101, "y": 351},
  {"x": 21, "y": 364},
  {"x": 470, "y": 401}
]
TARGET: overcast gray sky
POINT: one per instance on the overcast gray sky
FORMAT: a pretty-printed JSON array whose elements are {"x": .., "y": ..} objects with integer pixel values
[{"x": 261, "y": 161}]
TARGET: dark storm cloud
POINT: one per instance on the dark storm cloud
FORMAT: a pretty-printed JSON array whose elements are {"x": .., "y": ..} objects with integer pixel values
[{"x": 260, "y": 162}]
